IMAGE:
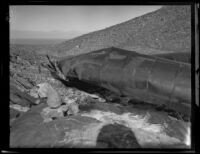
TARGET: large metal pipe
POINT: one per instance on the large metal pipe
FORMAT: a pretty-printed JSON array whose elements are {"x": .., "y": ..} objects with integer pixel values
[
  {"x": 178, "y": 56},
  {"x": 142, "y": 77}
]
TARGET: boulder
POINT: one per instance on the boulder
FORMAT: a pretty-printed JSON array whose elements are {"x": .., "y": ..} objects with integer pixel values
[{"x": 53, "y": 98}]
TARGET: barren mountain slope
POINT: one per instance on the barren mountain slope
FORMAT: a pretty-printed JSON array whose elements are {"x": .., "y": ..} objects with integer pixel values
[{"x": 165, "y": 30}]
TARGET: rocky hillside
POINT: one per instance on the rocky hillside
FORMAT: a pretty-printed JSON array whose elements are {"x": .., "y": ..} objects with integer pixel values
[{"x": 165, "y": 30}]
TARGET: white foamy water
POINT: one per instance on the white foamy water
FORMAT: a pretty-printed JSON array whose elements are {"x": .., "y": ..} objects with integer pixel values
[
  {"x": 145, "y": 132},
  {"x": 188, "y": 137}
]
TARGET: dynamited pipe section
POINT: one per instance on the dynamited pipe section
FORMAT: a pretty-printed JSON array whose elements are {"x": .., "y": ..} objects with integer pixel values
[{"x": 141, "y": 77}]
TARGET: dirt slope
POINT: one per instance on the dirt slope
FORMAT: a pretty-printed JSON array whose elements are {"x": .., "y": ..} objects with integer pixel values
[{"x": 165, "y": 30}]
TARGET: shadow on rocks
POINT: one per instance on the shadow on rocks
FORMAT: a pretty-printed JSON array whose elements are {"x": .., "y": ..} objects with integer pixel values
[
  {"x": 92, "y": 89},
  {"x": 116, "y": 136}
]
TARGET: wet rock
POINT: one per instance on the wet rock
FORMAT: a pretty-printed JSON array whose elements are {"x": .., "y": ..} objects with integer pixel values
[{"x": 178, "y": 129}]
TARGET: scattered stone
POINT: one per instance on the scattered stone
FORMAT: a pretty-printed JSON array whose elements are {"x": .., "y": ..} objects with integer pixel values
[
  {"x": 68, "y": 100},
  {"x": 34, "y": 92},
  {"x": 19, "y": 108},
  {"x": 95, "y": 97},
  {"x": 49, "y": 114},
  {"x": 73, "y": 109}
]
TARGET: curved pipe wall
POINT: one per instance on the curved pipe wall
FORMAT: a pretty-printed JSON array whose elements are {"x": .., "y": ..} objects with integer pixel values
[{"x": 142, "y": 77}]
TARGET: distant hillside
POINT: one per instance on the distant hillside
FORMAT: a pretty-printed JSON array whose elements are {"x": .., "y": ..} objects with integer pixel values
[
  {"x": 165, "y": 30},
  {"x": 28, "y": 41}
]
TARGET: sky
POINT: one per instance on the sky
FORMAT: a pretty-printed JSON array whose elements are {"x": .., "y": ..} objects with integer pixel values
[{"x": 29, "y": 21}]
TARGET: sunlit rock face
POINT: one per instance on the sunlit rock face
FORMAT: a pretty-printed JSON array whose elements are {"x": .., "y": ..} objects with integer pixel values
[{"x": 99, "y": 127}]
